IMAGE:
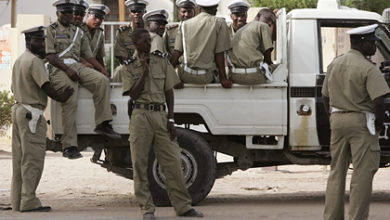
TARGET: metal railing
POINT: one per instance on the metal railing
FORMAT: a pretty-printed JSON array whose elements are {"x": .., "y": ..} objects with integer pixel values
[{"x": 112, "y": 30}]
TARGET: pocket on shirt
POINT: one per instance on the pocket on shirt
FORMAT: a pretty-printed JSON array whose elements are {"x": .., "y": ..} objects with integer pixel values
[{"x": 159, "y": 81}]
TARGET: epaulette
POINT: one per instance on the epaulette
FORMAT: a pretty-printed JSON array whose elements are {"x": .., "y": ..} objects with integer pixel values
[
  {"x": 130, "y": 60},
  {"x": 54, "y": 25},
  {"x": 159, "y": 54},
  {"x": 123, "y": 28}
]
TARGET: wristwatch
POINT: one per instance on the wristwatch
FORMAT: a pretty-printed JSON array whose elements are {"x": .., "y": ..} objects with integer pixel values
[{"x": 171, "y": 120}]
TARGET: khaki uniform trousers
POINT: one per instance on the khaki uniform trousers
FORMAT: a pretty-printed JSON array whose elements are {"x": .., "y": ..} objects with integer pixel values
[
  {"x": 351, "y": 142},
  {"x": 248, "y": 78},
  {"x": 147, "y": 129},
  {"x": 28, "y": 154},
  {"x": 186, "y": 77},
  {"x": 93, "y": 81}
]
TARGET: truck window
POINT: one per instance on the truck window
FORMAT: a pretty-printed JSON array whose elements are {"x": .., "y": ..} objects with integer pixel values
[{"x": 334, "y": 42}]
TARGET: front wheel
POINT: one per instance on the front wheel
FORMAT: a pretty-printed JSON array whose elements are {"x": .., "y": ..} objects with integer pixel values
[{"x": 198, "y": 166}]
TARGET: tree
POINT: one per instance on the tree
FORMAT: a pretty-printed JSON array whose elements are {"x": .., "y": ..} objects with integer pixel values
[
  {"x": 6, "y": 102},
  {"x": 368, "y": 5}
]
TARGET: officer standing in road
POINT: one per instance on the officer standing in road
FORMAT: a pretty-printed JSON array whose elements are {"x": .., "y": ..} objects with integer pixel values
[
  {"x": 353, "y": 94},
  {"x": 94, "y": 32},
  {"x": 248, "y": 63},
  {"x": 65, "y": 44},
  {"x": 148, "y": 79},
  {"x": 155, "y": 24},
  {"x": 31, "y": 86},
  {"x": 124, "y": 47},
  {"x": 203, "y": 41},
  {"x": 186, "y": 11},
  {"x": 239, "y": 14}
]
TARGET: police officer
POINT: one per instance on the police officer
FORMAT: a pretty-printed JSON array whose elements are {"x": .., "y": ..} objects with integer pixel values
[
  {"x": 79, "y": 12},
  {"x": 203, "y": 41},
  {"x": 31, "y": 87},
  {"x": 155, "y": 24},
  {"x": 186, "y": 11},
  {"x": 94, "y": 32},
  {"x": 148, "y": 79},
  {"x": 124, "y": 47},
  {"x": 353, "y": 94},
  {"x": 239, "y": 14},
  {"x": 249, "y": 62},
  {"x": 65, "y": 44}
]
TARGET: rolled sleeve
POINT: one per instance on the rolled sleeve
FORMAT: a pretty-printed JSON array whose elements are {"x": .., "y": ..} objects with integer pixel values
[
  {"x": 266, "y": 37},
  {"x": 38, "y": 72},
  {"x": 49, "y": 41},
  {"x": 171, "y": 77},
  {"x": 119, "y": 46},
  {"x": 223, "y": 37},
  {"x": 179, "y": 40},
  {"x": 376, "y": 84},
  {"x": 127, "y": 80},
  {"x": 86, "y": 51}
]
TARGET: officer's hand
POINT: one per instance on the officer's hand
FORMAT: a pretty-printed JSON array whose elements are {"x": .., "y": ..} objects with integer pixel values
[
  {"x": 226, "y": 83},
  {"x": 68, "y": 92},
  {"x": 104, "y": 71},
  {"x": 72, "y": 74},
  {"x": 169, "y": 27},
  {"x": 378, "y": 126},
  {"x": 87, "y": 64},
  {"x": 180, "y": 85},
  {"x": 145, "y": 63},
  {"x": 171, "y": 130}
]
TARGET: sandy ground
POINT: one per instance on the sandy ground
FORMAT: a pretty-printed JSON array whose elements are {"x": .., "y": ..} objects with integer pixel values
[{"x": 77, "y": 188}]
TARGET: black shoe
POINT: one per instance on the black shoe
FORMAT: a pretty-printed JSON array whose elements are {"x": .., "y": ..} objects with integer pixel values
[
  {"x": 71, "y": 153},
  {"x": 192, "y": 213},
  {"x": 149, "y": 216},
  {"x": 39, "y": 209},
  {"x": 105, "y": 128}
]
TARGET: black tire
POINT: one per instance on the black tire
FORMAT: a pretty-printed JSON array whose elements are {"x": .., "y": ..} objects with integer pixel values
[{"x": 199, "y": 168}]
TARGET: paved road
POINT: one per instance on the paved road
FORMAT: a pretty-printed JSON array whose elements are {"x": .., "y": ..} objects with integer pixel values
[{"x": 299, "y": 206}]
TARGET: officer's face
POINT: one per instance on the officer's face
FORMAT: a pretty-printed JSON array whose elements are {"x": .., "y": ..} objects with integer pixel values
[
  {"x": 136, "y": 16},
  {"x": 93, "y": 21},
  {"x": 368, "y": 47},
  {"x": 157, "y": 27},
  {"x": 186, "y": 13},
  {"x": 37, "y": 46},
  {"x": 65, "y": 17},
  {"x": 143, "y": 43},
  {"x": 239, "y": 19},
  {"x": 78, "y": 17}
]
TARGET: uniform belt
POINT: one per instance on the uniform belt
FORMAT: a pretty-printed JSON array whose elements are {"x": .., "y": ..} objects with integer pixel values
[
  {"x": 69, "y": 61},
  {"x": 339, "y": 111},
  {"x": 342, "y": 112},
  {"x": 244, "y": 70},
  {"x": 193, "y": 72},
  {"x": 150, "y": 107}
]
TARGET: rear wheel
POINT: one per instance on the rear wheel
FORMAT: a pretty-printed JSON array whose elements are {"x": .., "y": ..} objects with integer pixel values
[{"x": 198, "y": 166}]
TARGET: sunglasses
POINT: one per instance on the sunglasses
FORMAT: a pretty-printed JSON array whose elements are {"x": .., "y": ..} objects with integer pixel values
[
  {"x": 136, "y": 11},
  {"x": 79, "y": 13},
  {"x": 67, "y": 12}
]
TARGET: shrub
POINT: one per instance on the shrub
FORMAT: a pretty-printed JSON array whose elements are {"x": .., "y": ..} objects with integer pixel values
[{"x": 6, "y": 102}]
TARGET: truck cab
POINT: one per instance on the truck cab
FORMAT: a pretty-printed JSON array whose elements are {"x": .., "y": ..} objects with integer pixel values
[{"x": 276, "y": 123}]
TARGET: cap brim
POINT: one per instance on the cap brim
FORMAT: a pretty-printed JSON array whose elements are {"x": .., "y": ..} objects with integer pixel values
[{"x": 373, "y": 37}]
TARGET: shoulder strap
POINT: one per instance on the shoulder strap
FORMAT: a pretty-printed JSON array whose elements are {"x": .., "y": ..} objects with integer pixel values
[
  {"x": 71, "y": 45},
  {"x": 184, "y": 44}
]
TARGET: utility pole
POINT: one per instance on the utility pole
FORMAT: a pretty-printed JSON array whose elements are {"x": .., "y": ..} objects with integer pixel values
[
  {"x": 13, "y": 13},
  {"x": 122, "y": 11}
]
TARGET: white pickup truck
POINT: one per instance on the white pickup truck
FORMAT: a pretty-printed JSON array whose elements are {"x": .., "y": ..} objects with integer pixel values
[{"x": 281, "y": 122}]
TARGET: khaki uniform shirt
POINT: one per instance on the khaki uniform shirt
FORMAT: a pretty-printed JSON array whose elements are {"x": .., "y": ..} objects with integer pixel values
[
  {"x": 170, "y": 38},
  {"x": 60, "y": 37},
  {"x": 158, "y": 43},
  {"x": 28, "y": 76},
  {"x": 96, "y": 42},
  {"x": 249, "y": 44},
  {"x": 124, "y": 46},
  {"x": 231, "y": 30},
  {"x": 353, "y": 82},
  {"x": 205, "y": 35},
  {"x": 161, "y": 77}
]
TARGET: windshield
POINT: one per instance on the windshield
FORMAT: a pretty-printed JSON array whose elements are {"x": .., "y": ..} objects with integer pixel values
[{"x": 384, "y": 45}]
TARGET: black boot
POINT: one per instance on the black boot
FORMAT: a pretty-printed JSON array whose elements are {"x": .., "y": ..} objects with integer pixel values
[{"x": 105, "y": 128}]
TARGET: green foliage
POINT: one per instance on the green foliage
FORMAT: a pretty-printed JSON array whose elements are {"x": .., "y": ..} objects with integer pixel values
[
  {"x": 368, "y": 5},
  {"x": 6, "y": 102}
]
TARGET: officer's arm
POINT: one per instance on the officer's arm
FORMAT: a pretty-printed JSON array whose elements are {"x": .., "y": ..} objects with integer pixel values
[
  {"x": 220, "y": 61},
  {"x": 52, "y": 93},
  {"x": 85, "y": 63},
  {"x": 325, "y": 100},
  {"x": 267, "y": 56},
  {"x": 175, "y": 58},
  {"x": 169, "y": 98},
  {"x": 97, "y": 65},
  {"x": 57, "y": 62},
  {"x": 379, "y": 109},
  {"x": 101, "y": 61},
  {"x": 136, "y": 90}
]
